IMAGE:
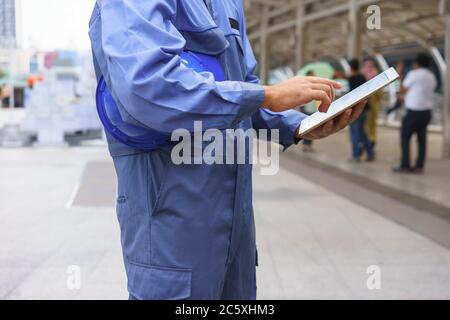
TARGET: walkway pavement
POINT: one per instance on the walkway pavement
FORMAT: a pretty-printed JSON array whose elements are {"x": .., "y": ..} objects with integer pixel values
[
  {"x": 57, "y": 212},
  {"x": 433, "y": 185}
]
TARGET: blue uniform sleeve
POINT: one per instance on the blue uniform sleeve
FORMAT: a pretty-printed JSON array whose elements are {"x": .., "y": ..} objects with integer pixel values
[
  {"x": 142, "y": 48},
  {"x": 287, "y": 122}
]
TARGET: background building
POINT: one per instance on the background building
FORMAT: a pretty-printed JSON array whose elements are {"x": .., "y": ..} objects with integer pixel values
[{"x": 9, "y": 23}]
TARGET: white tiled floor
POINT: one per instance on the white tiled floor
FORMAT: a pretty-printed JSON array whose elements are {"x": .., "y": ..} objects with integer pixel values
[
  {"x": 319, "y": 245},
  {"x": 312, "y": 243},
  {"x": 433, "y": 185},
  {"x": 40, "y": 237}
]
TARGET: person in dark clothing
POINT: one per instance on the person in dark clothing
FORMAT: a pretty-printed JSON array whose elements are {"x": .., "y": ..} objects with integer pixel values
[
  {"x": 418, "y": 89},
  {"x": 360, "y": 140}
]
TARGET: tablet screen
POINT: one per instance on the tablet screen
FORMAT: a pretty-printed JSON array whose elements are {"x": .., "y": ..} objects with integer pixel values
[{"x": 349, "y": 100}]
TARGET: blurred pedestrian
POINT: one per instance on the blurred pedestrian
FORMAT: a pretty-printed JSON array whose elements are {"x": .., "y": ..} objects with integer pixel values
[
  {"x": 4, "y": 97},
  {"x": 358, "y": 134},
  {"x": 418, "y": 88},
  {"x": 370, "y": 71},
  {"x": 400, "y": 67}
]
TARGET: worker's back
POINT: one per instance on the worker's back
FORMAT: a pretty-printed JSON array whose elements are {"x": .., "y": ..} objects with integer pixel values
[{"x": 421, "y": 84}]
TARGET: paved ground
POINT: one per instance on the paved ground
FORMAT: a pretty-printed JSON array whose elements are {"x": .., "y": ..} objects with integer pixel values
[
  {"x": 314, "y": 242},
  {"x": 41, "y": 237},
  {"x": 433, "y": 186}
]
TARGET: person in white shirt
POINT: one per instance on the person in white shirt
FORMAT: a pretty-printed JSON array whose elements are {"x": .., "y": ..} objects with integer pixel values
[{"x": 418, "y": 89}]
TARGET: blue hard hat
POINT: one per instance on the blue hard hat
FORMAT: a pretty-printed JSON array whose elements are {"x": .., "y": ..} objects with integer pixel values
[{"x": 141, "y": 137}]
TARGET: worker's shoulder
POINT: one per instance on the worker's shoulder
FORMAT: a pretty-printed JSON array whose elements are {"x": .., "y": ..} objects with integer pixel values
[
  {"x": 417, "y": 73},
  {"x": 425, "y": 73},
  {"x": 420, "y": 77},
  {"x": 235, "y": 6},
  {"x": 422, "y": 71},
  {"x": 237, "y": 3}
]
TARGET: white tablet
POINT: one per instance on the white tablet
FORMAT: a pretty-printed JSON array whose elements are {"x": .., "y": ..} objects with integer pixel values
[{"x": 348, "y": 101}]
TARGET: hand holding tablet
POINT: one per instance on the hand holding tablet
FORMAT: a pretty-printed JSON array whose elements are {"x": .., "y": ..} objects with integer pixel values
[
  {"x": 351, "y": 99},
  {"x": 337, "y": 124}
]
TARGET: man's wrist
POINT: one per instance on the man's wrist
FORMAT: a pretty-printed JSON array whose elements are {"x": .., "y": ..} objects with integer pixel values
[
  {"x": 269, "y": 94},
  {"x": 252, "y": 96}
]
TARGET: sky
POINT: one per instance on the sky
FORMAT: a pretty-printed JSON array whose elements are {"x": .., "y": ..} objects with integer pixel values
[{"x": 56, "y": 24}]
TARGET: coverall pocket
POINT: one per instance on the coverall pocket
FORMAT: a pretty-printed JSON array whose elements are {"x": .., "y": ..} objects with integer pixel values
[
  {"x": 158, "y": 283},
  {"x": 141, "y": 179},
  {"x": 239, "y": 44},
  {"x": 211, "y": 42},
  {"x": 236, "y": 54},
  {"x": 158, "y": 166}
]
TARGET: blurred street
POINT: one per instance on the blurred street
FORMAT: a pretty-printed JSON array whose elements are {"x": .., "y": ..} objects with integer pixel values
[{"x": 318, "y": 229}]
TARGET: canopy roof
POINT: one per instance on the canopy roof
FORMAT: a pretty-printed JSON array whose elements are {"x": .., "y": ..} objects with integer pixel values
[{"x": 327, "y": 23}]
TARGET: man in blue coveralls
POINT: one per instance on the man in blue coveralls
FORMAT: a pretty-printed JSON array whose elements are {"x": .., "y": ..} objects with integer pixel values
[{"x": 188, "y": 231}]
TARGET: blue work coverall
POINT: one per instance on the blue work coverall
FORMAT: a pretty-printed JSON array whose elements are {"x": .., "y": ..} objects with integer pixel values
[{"x": 187, "y": 231}]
